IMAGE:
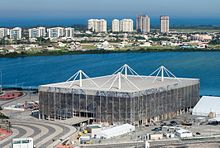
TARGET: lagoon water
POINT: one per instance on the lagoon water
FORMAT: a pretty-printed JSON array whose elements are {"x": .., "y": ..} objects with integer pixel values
[{"x": 34, "y": 71}]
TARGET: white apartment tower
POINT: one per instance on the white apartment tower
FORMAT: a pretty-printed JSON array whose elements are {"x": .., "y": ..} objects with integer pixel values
[
  {"x": 4, "y": 32},
  {"x": 126, "y": 25},
  {"x": 56, "y": 32},
  {"x": 97, "y": 25},
  {"x": 69, "y": 32},
  {"x": 115, "y": 25},
  {"x": 16, "y": 33},
  {"x": 37, "y": 32},
  {"x": 143, "y": 24},
  {"x": 164, "y": 24},
  {"x": 42, "y": 31}
]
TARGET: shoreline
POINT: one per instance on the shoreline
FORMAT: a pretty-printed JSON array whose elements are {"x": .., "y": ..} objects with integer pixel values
[{"x": 64, "y": 52}]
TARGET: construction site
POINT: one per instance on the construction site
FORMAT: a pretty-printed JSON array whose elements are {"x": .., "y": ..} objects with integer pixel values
[{"x": 123, "y": 97}]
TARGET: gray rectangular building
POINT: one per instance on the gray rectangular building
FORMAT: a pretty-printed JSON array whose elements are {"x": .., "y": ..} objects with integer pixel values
[{"x": 119, "y": 98}]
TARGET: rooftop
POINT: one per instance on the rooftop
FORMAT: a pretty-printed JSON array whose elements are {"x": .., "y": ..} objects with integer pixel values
[
  {"x": 125, "y": 79},
  {"x": 206, "y": 105}
]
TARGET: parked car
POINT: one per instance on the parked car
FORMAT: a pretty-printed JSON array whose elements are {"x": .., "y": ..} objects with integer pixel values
[
  {"x": 174, "y": 123},
  {"x": 157, "y": 129},
  {"x": 163, "y": 124}
]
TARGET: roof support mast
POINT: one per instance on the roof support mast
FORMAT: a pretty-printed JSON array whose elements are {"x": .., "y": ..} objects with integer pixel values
[
  {"x": 126, "y": 70},
  {"x": 119, "y": 80},
  {"x": 80, "y": 78},
  {"x": 162, "y": 73}
]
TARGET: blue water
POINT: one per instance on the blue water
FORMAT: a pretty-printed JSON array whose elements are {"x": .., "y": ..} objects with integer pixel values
[
  {"x": 34, "y": 71},
  {"x": 155, "y": 21}
]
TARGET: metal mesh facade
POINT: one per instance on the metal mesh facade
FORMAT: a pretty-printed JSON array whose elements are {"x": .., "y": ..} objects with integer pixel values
[{"x": 137, "y": 107}]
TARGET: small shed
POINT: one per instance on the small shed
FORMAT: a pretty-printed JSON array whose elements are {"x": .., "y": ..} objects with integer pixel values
[
  {"x": 183, "y": 133},
  {"x": 157, "y": 136}
]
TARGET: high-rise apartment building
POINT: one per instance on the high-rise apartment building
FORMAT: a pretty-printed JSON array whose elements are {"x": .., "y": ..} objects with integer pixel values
[
  {"x": 16, "y": 33},
  {"x": 55, "y": 32},
  {"x": 143, "y": 24},
  {"x": 42, "y": 31},
  {"x": 97, "y": 25},
  {"x": 69, "y": 32},
  {"x": 37, "y": 32},
  {"x": 126, "y": 25},
  {"x": 164, "y": 24},
  {"x": 115, "y": 25},
  {"x": 4, "y": 32}
]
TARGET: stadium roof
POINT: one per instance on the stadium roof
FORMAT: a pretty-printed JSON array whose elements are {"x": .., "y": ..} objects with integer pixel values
[{"x": 125, "y": 79}]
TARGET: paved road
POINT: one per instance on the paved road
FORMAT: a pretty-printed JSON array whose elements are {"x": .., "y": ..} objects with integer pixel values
[
  {"x": 17, "y": 132},
  {"x": 45, "y": 134}
]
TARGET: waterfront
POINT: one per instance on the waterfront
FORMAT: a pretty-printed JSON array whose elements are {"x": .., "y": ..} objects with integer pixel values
[{"x": 34, "y": 71}]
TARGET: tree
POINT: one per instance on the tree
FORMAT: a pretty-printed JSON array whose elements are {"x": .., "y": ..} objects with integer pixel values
[
  {"x": 41, "y": 41},
  {"x": 215, "y": 41}
]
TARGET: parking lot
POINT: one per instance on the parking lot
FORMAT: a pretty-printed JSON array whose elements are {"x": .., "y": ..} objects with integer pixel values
[{"x": 200, "y": 130}]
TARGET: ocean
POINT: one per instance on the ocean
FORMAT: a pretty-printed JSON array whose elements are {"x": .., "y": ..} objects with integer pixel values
[{"x": 155, "y": 21}]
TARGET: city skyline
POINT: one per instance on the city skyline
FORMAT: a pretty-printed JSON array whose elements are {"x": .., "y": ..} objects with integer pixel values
[{"x": 50, "y": 12}]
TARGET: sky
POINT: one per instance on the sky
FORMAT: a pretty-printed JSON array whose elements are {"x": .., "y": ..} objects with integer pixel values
[{"x": 38, "y": 10}]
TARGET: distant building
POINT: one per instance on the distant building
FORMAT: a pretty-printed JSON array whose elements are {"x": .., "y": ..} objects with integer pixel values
[
  {"x": 164, "y": 24},
  {"x": 115, "y": 25},
  {"x": 16, "y": 33},
  {"x": 37, "y": 32},
  {"x": 201, "y": 37},
  {"x": 69, "y": 32},
  {"x": 97, "y": 25},
  {"x": 126, "y": 25},
  {"x": 42, "y": 31},
  {"x": 4, "y": 32},
  {"x": 143, "y": 24},
  {"x": 55, "y": 32}
]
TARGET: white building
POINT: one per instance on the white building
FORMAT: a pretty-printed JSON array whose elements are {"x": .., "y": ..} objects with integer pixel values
[
  {"x": 143, "y": 24},
  {"x": 37, "y": 32},
  {"x": 105, "y": 46},
  {"x": 97, "y": 25},
  {"x": 201, "y": 37},
  {"x": 207, "y": 105},
  {"x": 183, "y": 133},
  {"x": 115, "y": 25},
  {"x": 69, "y": 32},
  {"x": 126, "y": 25},
  {"x": 22, "y": 143},
  {"x": 116, "y": 131},
  {"x": 56, "y": 32},
  {"x": 16, "y": 33},
  {"x": 42, "y": 31},
  {"x": 164, "y": 24},
  {"x": 4, "y": 32}
]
